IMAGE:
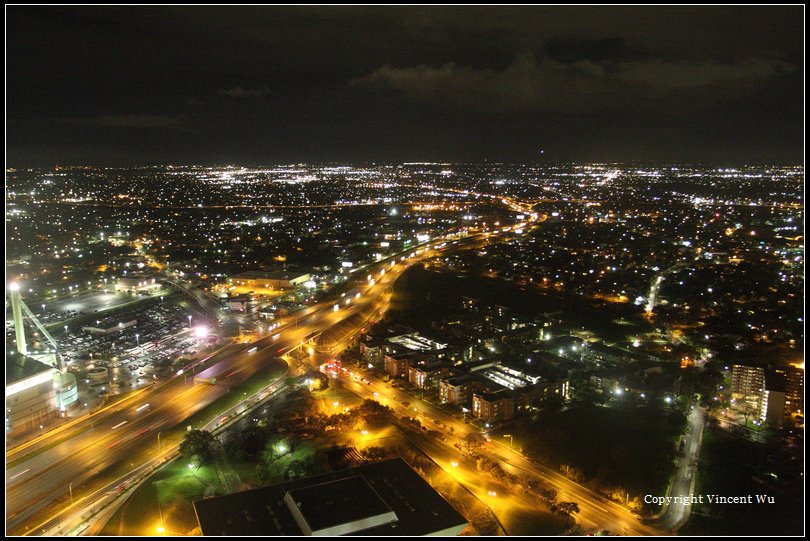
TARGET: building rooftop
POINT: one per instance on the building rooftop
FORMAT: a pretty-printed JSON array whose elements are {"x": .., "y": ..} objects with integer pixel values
[
  {"x": 341, "y": 506},
  {"x": 267, "y": 275},
  {"x": 19, "y": 367},
  {"x": 363, "y": 497}
]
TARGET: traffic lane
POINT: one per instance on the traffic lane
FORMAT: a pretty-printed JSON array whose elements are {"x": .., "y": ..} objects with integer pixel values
[
  {"x": 108, "y": 444},
  {"x": 683, "y": 480},
  {"x": 82, "y": 423},
  {"x": 597, "y": 509},
  {"x": 295, "y": 335}
]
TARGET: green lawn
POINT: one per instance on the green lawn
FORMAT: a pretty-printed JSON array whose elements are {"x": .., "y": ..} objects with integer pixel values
[
  {"x": 345, "y": 398},
  {"x": 140, "y": 514},
  {"x": 176, "y": 486}
]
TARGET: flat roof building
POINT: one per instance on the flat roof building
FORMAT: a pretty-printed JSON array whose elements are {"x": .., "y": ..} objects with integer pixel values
[
  {"x": 30, "y": 392},
  {"x": 386, "y": 498},
  {"x": 269, "y": 280},
  {"x": 137, "y": 284}
]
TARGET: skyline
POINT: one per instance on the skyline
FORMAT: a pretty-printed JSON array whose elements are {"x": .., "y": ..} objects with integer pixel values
[
  {"x": 405, "y": 270},
  {"x": 259, "y": 85}
]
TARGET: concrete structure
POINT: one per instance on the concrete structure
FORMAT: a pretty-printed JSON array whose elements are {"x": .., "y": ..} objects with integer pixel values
[
  {"x": 497, "y": 391},
  {"x": 794, "y": 389},
  {"x": 764, "y": 392},
  {"x": 428, "y": 375},
  {"x": 238, "y": 303},
  {"x": 396, "y": 365},
  {"x": 772, "y": 405},
  {"x": 30, "y": 393},
  {"x": 35, "y": 388},
  {"x": 137, "y": 284},
  {"x": 109, "y": 326},
  {"x": 416, "y": 342},
  {"x": 494, "y": 407},
  {"x": 16, "y": 309},
  {"x": 747, "y": 383},
  {"x": 386, "y": 498},
  {"x": 339, "y": 507},
  {"x": 268, "y": 280},
  {"x": 66, "y": 390},
  {"x": 457, "y": 390}
]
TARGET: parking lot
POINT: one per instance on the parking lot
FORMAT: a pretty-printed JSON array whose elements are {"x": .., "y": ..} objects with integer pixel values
[
  {"x": 109, "y": 364},
  {"x": 66, "y": 308}
]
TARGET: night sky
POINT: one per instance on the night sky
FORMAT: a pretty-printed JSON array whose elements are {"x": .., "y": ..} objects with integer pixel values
[{"x": 264, "y": 85}]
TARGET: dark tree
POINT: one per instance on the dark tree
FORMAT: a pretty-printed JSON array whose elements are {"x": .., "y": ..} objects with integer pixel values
[{"x": 197, "y": 442}]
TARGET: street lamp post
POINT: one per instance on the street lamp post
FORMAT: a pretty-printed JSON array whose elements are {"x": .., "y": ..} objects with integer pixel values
[
  {"x": 511, "y": 440},
  {"x": 160, "y": 447},
  {"x": 66, "y": 330},
  {"x": 189, "y": 321},
  {"x": 70, "y": 488}
]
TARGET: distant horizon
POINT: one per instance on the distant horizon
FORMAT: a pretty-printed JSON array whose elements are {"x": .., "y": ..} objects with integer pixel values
[{"x": 389, "y": 163}]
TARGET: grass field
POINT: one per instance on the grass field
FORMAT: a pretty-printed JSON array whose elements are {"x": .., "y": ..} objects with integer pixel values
[{"x": 175, "y": 487}]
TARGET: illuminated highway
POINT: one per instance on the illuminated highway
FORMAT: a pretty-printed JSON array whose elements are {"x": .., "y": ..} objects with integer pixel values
[
  {"x": 596, "y": 511},
  {"x": 79, "y": 457},
  {"x": 42, "y": 472}
]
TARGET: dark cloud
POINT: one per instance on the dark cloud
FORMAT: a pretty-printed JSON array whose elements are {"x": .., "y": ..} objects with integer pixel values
[
  {"x": 315, "y": 83},
  {"x": 126, "y": 121},
  {"x": 581, "y": 86},
  {"x": 239, "y": 92}
]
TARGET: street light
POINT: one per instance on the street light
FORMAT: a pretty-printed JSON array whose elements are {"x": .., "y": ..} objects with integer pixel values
[
  {"x": 70, "y": 488},
  {"x": 160, "y": 447},
  {"x": 511, "y": 440},
  {"x": 137, "y": 340},
  {"x": 189, "y": 320}
]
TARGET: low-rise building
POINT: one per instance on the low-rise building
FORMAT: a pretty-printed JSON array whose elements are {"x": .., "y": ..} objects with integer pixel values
[
  {"x": 269, "y": 280},
  {"x": 386, "y": 498},
  {"x": 425, "y": 375},
  {"x": 493, "y": 407},
  {"x": 457, "y": 390},
  {"x": 109, "y": 325},
  {"x": 137, "y": 284}
]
